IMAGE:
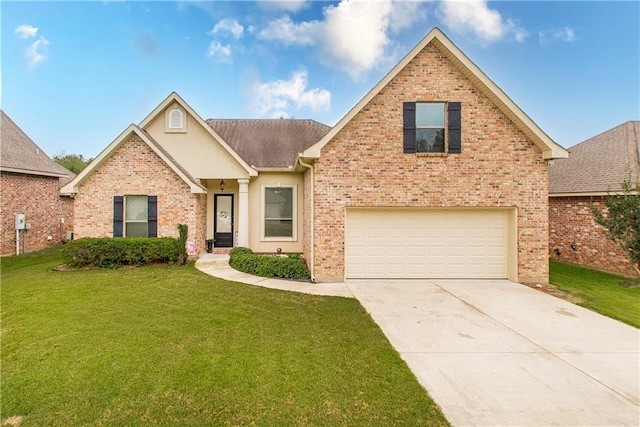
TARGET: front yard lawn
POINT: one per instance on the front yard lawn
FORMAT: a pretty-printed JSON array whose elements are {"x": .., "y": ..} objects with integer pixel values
[
  {"x": 608, "y": 294},
  {"x": 170, "y": 345}
]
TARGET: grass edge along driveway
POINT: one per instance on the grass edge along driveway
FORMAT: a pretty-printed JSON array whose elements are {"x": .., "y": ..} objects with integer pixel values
[
  {"x": 170, "y": 345},
  {"x": 610, "y": 295}
]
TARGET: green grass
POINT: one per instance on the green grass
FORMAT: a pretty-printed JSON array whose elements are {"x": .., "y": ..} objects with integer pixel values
[
  {"x": 169, "y": 345},
  {"x": 614, "y": 296}
]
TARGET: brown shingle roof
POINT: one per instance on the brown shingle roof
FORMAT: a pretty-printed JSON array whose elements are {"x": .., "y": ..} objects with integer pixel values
[
  {"x": 599, "y": 164},
  {"x": 18, "y": 153},
  {"x": 269, "y": 143}
]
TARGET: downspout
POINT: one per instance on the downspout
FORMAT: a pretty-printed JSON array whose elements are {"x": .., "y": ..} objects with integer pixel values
[{"x": 311, "y": 220}]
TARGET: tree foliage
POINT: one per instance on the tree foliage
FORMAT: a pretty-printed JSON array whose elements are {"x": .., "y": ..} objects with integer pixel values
[
  {"x": 621, "y": 219},
  {"x": 74, "y": 162}
]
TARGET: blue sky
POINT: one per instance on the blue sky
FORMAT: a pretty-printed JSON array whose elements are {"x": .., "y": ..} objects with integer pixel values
[{"x": 76, "y": 74}]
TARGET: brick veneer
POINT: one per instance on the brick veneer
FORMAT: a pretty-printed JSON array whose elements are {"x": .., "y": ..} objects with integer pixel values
[
  {"x": 364, "y": 165},
  {"x": 133, "y": 168},
  {"x": 571, "y": 222},
  {"x": 38, "y": 198}
]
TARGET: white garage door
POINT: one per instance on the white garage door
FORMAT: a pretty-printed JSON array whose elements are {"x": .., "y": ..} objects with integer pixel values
[{"x": 435, "y": 243}]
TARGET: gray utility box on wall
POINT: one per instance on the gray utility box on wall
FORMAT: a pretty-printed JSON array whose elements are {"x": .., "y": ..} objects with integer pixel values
[{"x": 21, "y": 222}]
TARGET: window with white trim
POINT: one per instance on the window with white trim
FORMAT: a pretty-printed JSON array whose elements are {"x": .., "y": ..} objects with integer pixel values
[
  {"x": 136, "y": 216},
  {"x": 279, "y": 213}
]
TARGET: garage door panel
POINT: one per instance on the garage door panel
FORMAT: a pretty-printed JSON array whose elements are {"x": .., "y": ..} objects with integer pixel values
[{"x": 401, "y": 243}]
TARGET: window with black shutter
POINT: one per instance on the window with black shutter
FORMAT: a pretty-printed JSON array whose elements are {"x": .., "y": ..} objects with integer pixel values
[
  {"x": 118, "y": 204},
  {"x": 135, "y": 216},
  {"x": 432, "y": 127}
]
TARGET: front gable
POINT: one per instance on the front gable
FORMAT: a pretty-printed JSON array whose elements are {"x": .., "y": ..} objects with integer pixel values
[
  {"x": 436, "y": 42},
  {"x": 192, "y": 143},
  {"x": 133, "y": 131}
]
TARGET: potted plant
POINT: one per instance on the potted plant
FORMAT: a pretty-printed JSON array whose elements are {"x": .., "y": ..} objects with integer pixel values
[{"x": 210, "y": 245}]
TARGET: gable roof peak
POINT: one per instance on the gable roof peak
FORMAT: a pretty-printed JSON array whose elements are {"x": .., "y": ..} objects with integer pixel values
[
  {"x": 132, "y": 129},
  {"x": 549, "y": 148},
  {"x": 175, "y": 97}
]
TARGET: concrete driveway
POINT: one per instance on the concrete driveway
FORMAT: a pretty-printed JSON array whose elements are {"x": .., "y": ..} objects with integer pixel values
[{"x": 494, "y": 352}]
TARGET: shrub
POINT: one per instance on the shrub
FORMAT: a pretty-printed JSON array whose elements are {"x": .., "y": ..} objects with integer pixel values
[
  {"x": 115, "y": 252},
  {"x": 183, "y": 231},
  {"x": 285, "y": 267}
]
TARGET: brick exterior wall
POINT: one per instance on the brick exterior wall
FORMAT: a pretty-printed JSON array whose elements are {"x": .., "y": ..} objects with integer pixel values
[
  {"x": 571, "y": 222},
  {"x": 134, "y": 169},
  {"x": 38, "y": 198},
  {"x": 364, "y": 165}
]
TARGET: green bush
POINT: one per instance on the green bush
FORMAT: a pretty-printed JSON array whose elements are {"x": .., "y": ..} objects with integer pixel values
[
  {"x": 286, "y": 267},
  {"x": 115, "y": 252},
  {"x": 183, "y": 231}
]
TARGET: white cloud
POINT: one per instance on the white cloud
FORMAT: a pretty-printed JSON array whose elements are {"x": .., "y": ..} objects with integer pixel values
[
  {"x": 230, "y": 26},
  {"x": 286, "y": 5},
  {"x": 354, "y": 34},
  {"x": 274, "y": 99},
  {"x": 219, "y": 52},
  {"x": 289, "y": 33},
  {"x": 565, "y": 34},
  {"x": 33, "y": 53},
  {"x": 477, "y": 18},
  {"x": 25, "y": 31}
]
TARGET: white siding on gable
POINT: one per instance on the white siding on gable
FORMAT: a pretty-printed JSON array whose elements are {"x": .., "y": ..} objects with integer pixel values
[{"x": 195, "y": 149}]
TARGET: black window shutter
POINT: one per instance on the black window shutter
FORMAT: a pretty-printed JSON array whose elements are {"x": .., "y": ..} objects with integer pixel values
[
  {"x": 152, "y": 219},
  {"x": 117, "y": 215},
  {"x": 409, "y": 127},
  {"x": 455, "y": 127}
]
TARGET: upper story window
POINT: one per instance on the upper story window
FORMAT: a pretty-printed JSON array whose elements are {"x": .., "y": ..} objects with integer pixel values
[
  {"x": 175, "y": 119},
  {"x": 432, "y": 127}
]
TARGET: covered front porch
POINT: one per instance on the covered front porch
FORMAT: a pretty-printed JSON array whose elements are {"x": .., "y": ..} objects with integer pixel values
[{"x": 227, "y": 215}]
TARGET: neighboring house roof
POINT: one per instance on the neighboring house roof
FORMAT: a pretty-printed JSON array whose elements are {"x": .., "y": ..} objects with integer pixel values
[
  {"x": 600, "y": 164},
  {"x": 550, "y": 149},
  {"x": 193, "y": 183},
  {"x": 269, "y": 143},
  {"x": 174, "y": 97},
  {"x": 19, "y": 154}
]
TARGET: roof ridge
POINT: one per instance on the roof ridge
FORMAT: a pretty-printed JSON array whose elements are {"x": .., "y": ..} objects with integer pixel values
[{"x": 623, "y": 124}]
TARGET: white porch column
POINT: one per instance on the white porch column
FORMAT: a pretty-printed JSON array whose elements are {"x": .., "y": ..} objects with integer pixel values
[{"x": 243, "y": 212}]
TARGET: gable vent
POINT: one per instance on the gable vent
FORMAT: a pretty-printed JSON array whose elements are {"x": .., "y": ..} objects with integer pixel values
[{"x": 176, "y": 119}]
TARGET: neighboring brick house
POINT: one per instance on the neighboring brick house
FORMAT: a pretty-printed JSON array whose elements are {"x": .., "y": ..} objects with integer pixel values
[
  {"x": 434, "y": 173},
  {"x": 30, "y": 185},
  {"x": 596, "y": 168}
]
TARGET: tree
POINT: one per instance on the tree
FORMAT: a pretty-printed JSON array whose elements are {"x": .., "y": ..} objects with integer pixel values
[
  {"x": 74, "y": 162},
  {"x": 621, "y": 219}
]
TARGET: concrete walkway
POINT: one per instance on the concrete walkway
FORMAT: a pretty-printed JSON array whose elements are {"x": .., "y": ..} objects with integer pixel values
[
  {"x": 494, "y": 352},
  {"x": 218, "y": 266}
]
